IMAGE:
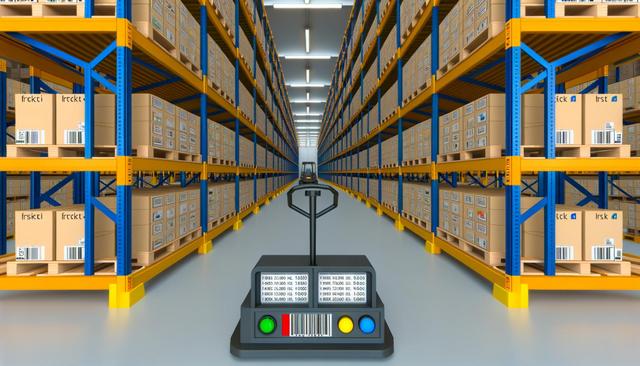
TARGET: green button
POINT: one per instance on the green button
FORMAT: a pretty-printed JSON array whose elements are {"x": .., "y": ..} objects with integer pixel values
[{"x": 267, "y": 324}]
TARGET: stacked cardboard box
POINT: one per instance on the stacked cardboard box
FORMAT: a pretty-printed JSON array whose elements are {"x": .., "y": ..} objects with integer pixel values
[
  {"x": 188, "y": 132},
  {"x": 588, "y": 234},
  {"x": 630, "y": 214},
  {"x": 416, "y": 201},
  {"x": 246, "y": 102},
  {"x": 260, "y": 81},
  {"x": 188, "y": 40},
  {"x": 602, "y": 119},
  {"x": 416, "y": 73},
  {"x": 388, "y": 49},
  {"x": 487, "y": 127},
  {"x": 632, "y": 137},
  {"x": 154, "y": 215},
  {"x": 154, "y": 123},
  {"x": 227, "y": 11},
  {"x": 630, "y": 185},
  {"x": 390, "y": 152},
  {"x": 246, "y": 151},
  {"x": 57, "y": 234},
  {"x": 416, "y": 143},
  {"x": 246, "y": 193},
  {"x": 261, "y": 156},
  {"x": 246, "y": 51},
  {"x": 568, "y": 119},
  {"x": 408, "y": 12},
  {"x": 451, "y": 131},
  {"x": 221, "y": 142},
  {"x": 221, "y": 200},
  {"x": 15, "y": 87},
  {"x": 389, "y": 102},
  {"x": 450, "y": 38},
  {"x": 390, "y": 193},
  {"x": 157, "y": 20},
  {"x": 356, "y": 103},
  {"x": 477, "y": 216}
]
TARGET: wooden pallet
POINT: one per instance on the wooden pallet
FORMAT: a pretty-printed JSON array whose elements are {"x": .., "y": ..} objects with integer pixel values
[
  {"x": 386, "y": 166},
  {"x": 221, "y": 162},
  {"x": 195, "y": 158},
  {"x": 488, "y": 257},
  {"x": 453, "y": 62},
  {"x": 390, "y": 207},
  {"x": 414, "y": 21},
  {"x": 219, "y": 221},
  {"x": 157, "y": 37},
  {"x": 579, "y": 151},
  {"x": 492, "y": 30},
  {"x": 3, "y": 263},
  {"x": 184, "y": 59},
  {"x": 634, "y": 153},
  {"x": 596, "y": 10},
  {"x": 147, "y": 258},
  {"x": 55, "y": 10},
  {"x": 103, "y": 267},
  {"x": 535, "y": 267},
  {"x": 416, "y": 221},
  {"x": 57, "y": 151},
  {"x": 222, "y": 21},
  {"x": 414, "y": 162},
  {"x": 487, "y": 152}
]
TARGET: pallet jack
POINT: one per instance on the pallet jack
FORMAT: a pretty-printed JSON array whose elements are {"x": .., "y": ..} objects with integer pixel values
[{"x": 312, "y": 306}]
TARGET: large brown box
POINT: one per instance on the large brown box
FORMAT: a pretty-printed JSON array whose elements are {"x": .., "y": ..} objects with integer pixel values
[
  {"x": 70, "y": 235},
  {"x": 489, "y": 128},
  {"x": 153, "y": 122},
  {"x": 602, "y": 119},
  {"x": 568, "y": 234},
  {"x": 602, "y": 234},
  {"x": 156, "y": 19},
  {"x": 70, "y": 119},
  {"x": 568, "y": 119},
  {"x": 35, "y": 235},
  {"x": 35, "y": 119}
]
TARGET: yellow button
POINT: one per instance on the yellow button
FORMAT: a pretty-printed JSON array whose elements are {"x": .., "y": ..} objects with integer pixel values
[{"x": 345, "y": 324}]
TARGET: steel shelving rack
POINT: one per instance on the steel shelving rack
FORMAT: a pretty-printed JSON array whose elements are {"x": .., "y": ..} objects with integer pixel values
[
  {"x": 112, "y": 54},
  {"x": 540, "y": 53}
]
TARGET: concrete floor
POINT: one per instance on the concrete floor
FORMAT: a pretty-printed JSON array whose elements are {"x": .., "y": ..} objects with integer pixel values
[{"x": 440, "y": 313}]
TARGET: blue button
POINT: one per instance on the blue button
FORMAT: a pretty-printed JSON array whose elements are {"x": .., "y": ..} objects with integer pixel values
[{"x": 367, "y": 324}]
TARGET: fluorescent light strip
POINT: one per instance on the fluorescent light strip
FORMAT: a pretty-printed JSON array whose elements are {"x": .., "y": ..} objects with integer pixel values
[
  {"x": 302, "y": 101},
  {"x": 307, "y": 6},
  {"x": 308, "y": 75},
  {"x": 301, "y": 128},
  {"x": 308, "y": 114},
  {"x": 308, "y": 121},
  {"x": 299, "y": 85},
  {"x": 307, "y": 57},
  {"x": 307, "y": 43}
]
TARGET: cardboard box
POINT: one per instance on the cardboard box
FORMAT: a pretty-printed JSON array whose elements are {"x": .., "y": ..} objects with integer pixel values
[
  {"x": 35, "y": 119},
  {"x": 70, "y": 234},
  {"x": 568, "y": 119},
  {"x": 35, "y": 235},
  {"x": 568, "y": 234},
  {"x": 602, "y": 119},
  {"x": 602, "y": 235},
  {"x": 153, "y": 122},
  {"x": 70, "y": 119},
  {"x": 156, "y": 19}
]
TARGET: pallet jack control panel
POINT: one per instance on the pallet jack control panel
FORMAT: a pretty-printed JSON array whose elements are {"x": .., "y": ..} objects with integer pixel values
[{"x": 312, "y": 306}]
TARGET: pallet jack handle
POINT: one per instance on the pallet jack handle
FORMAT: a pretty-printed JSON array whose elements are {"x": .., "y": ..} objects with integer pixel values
[{"x": 313, "y": 191}]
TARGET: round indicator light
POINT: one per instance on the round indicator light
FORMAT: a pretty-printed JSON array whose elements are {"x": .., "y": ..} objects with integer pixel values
[
  {"x": 267, "y": 324},
  {"x": 345, "y": 324},
  {"x": 367, "y": 324}
]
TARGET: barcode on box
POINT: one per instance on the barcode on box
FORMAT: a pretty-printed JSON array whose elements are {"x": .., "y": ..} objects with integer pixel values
[
  {"x": 30, "y": 253},
  {"x": 606, "y": 253},
  {"x": 73, "y": 253},
  {"x": 564, "y": 137},
  {"x": 310, "y": 325},
  {"x": 73, "y": 137},
  {"x": 605, "y": 137},
  {"x": 564, "y": 253},
  {"x": 30, "y": 137}
]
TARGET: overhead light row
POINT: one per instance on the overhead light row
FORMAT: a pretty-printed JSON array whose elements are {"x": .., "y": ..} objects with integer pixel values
[{"x": 306, "y": 5}]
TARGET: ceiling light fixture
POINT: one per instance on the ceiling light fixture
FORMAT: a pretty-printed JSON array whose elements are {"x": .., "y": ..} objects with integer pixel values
[
  {"x": 308, "y": 75},
  {"x": 307, "y": 43},
  {"x": 307, "y": 6},
  {"x": 302, "y": 101},
  {"x": 307, "y": 128},
  {"x": 308, "y": 114},
  {"x": 308, "y": 121},
  {"x": 308, "y": 96},
  {"x": 307, "y": 110},
  {"x": 300, "y": 85},
  {"x": 308, "y": 57}
]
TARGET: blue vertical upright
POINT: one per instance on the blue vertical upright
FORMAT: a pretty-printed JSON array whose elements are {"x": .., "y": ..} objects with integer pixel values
[
  {"x": 204, "y": 121},
  {"x": 3, "y": 153},
  {"x": 237, "y": 103},
  {"x": 435, "y": 119},
  {"x": 124, "y": 186},
  {"x": 35, "y": 177},
  {"x": 89, "y": 177}
]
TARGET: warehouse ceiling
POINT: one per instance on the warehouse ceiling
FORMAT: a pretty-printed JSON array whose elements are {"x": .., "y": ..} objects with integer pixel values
[{"x": 326, "y": 21}]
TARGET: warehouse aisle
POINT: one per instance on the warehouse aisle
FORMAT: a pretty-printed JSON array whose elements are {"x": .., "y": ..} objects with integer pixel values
[{"x": 432, "y": 303}]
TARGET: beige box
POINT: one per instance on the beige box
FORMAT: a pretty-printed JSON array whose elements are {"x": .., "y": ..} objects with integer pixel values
[
  {"x": 35, "y": 235},
  {"x": 156, "y": 19},
  {"x": 70, "y": 119},
  {"x": 153, "y": 122},
  {"x": 70, "y": 235},
  {"x": 568, "y": 234},
  {"x": 35, "y": 119},
  {"x": 489, "y": 128},
  {"x": 602, "y": 119},
  {"x": 602, "y": 235},
  {"x": 568, "y": 119}
]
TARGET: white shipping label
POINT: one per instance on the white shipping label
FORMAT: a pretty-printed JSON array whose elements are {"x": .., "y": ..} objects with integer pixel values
[
  {"x": 564, "y": 137},
  {"x": 564, "y": 253},
  {"x": 342, "y": 288},
  {"x": 284, "y": 288},
  {"x": 30, "y": 253},
  {"x": 156, "y": 201},
  {"x": 73, "y": 137},
  {"x": 30, "y": 137}
]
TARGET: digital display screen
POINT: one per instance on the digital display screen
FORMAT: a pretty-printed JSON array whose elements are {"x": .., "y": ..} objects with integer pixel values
[
  {"x": 342, "y": 288},
  {"x": 284, "y": 288}
]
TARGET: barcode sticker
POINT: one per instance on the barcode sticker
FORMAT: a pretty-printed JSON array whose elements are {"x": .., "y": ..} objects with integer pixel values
[
  {"x": 309, "y": 325},
  {"x": 30, "y": 253},
  {"x": 604, "y": 253},
  {"x": 73, "y": 252},
  {"x": 30, "y": 137},
  {"x": 564, "y": 253},
  {"x": 604, "y": 137},
  {"x": 73, "y": 137},
  {"x": 564, "y": 137}
]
